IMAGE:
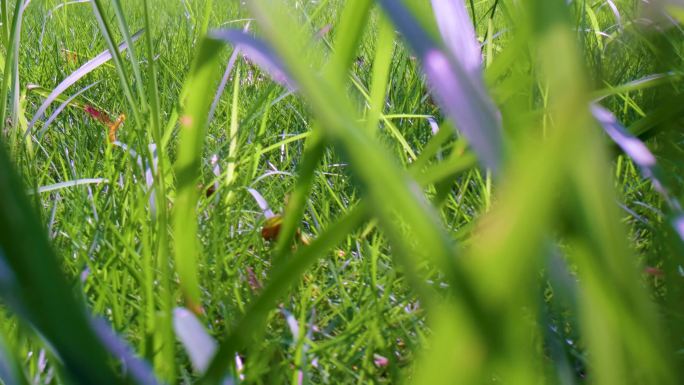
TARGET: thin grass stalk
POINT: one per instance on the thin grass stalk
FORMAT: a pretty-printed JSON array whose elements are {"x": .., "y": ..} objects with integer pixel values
[
  {"x": 125, "y": 31},
  {"x": 4, "y": 9},
  {"x": 381, "y": 70},
  {"x": 105, "y": 29},
  {"x": 313, "y": 153},
  {"x": 165, "y": 360},
  {"x": 16, "y": 92},
  {"x": 12, "y": 50},
  {"x": 233, "y": 131}
]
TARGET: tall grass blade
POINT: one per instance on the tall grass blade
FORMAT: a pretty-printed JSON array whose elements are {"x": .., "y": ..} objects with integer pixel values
[
  {"x": 106, "y": 31},
  {"x": 191, "y": 143},
  {"x": 458, "y": 34},
  {"x": 11, "y": 60},
  {"x": 256, "y": 51},
  {"x": 125, "y": 31},
  {"x": 459, "y": 90}
]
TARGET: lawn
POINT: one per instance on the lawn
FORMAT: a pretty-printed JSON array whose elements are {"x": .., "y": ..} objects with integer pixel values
[{"x": 332, "y": 192}]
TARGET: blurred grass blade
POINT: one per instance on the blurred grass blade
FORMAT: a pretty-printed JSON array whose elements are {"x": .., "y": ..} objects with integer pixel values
[
  {"x": 459, "y": 91},
  {"x": 224, "y": 79},
  {"x": 256, "y": 51},
  {"x": 349, "y": 31},
  {"x": 33, "y": 285},
  {"x": 202, "y": 76},
  {"x": 137, "y": 370},
  {"x": 458, "y": 34},
  {"x": 85, "y": 69},
  {"x": 381, "y": 72},
  {"x": 199, "y": 345},
  {"x": 11, "y": 372}
]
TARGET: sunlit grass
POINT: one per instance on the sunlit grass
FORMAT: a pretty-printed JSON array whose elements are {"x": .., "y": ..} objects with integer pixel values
[{"x": 364, "y": 199}]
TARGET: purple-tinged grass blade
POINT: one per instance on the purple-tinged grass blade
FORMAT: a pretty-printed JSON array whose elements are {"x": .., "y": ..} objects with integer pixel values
[
  {"x": 258, "y": 52},
  {"x": 642, "y": 157},
  {"x": 224, "y": 79},
  {"x": 458, "y": 87},
  {"x": 263, "y": 205},
  {"x": 632, "y": 146},
  {"x": 199, "y": 345},
  {"x": 678, "y": 224},
  {"x": 616, "y": 13},
  {"x": 458, "y": 34},
  {"x": 135, "y": 368},
  {"x": 82, "y": 71},
  {"x": 61, "y": 107}
]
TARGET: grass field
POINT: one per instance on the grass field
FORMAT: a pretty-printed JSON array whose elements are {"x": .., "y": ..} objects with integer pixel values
[{"x": 428, "y": 192}]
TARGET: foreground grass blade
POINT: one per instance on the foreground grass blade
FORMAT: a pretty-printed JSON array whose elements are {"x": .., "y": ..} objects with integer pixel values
[
  {"x": 459, "y": 90},
  {"x": 370, "y": 164},
  {"x": 11, "y": 372},
  {"x": 350, "y": 30},
  {"x": 623, "y": 333},
  {"x": 197, "y": 342},
  {"x": 191, "y": 143},
  {"x": 458, "y": 34},
  {"x": 258, "y": 52},
  {"x": 33, "y": 285}
]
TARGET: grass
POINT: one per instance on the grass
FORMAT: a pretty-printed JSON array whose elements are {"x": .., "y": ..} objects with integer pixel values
[{"x": 400, "y": 258}]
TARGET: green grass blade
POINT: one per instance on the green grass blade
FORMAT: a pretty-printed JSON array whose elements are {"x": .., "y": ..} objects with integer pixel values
[
  {"x": 34, "y": 286},
  {"x": 126, "y": 33},
  {"x": 381, "y": 68},
  {"x": 106, "y": 30},
  {"x": 193, "y": 127}
]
